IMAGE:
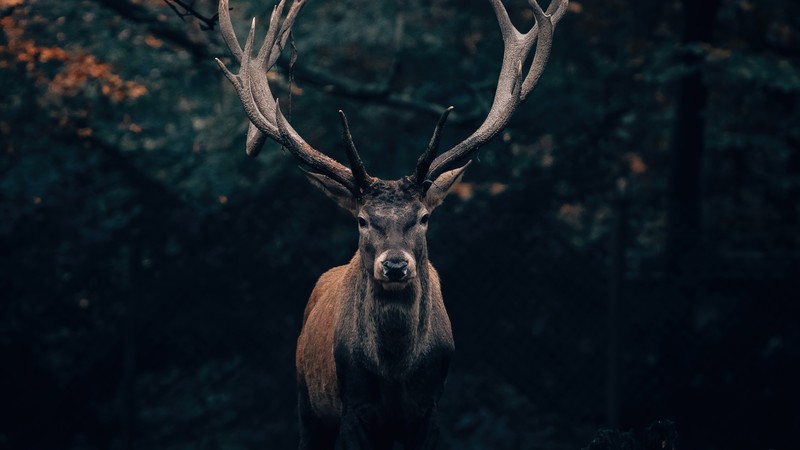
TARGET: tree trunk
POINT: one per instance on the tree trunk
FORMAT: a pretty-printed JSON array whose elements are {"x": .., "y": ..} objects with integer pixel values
[{"x": 683, "y": 251}]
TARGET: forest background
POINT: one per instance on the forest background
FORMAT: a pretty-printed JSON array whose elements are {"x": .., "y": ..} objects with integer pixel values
[{"x": 625, "y": 252}]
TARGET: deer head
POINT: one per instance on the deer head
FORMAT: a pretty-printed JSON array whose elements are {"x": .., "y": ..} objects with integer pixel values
[{"x": 392, "y": 216}]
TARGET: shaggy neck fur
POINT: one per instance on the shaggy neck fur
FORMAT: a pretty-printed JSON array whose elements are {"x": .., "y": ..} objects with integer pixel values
[{"x": 394, "y": 325}]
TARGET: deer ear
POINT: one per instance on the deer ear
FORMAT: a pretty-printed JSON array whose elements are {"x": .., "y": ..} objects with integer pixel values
[
  {"x": 334, "y": 190},
  {"x": 439, "y": 188}
]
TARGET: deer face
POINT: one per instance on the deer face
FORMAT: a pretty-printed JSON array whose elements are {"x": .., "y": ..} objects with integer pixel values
[
  {"x": 392, "y": 219},
  {"x": 392, "y": 222}
]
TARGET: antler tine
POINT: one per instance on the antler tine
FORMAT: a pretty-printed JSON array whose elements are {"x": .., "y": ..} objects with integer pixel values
[
  {"x": 544, "y": 36},
  {"x": 512, "y": 89},
  {"x": 255, "y": 137},
  {"x": 360, "y": 175},
  {"x": 268, "y": 46},
  {"x": 261, "y": 125},
  {"x": 286, "y": 30},
  {"x": 312, "y": 158},
  {"x": 425, "y": 160},
  {"x": 261, "y": 107},
  {"x": 226, "y": 28},
  {"x": 275, "y": 42}
]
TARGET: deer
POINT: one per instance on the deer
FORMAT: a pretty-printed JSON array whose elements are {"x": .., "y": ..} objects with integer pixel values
[{"x": 376, "y": 341}]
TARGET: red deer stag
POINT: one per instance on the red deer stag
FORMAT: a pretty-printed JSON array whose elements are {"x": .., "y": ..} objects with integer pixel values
[{"x": 376, "y": 342}]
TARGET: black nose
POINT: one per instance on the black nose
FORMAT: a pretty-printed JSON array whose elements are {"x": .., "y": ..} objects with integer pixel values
[{"x": 395, "y": 269}]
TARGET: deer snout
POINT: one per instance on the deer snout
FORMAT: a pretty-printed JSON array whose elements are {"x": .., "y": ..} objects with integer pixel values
[{"x": 395, "y": 269}]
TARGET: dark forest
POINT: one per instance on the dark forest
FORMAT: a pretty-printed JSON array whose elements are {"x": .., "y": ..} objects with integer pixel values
[{"x": 622, "y": 259}]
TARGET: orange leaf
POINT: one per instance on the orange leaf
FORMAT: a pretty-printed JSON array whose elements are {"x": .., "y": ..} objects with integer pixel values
[
  {"x": 152, "y": 41},
  {"x": 10, "y": 3}
]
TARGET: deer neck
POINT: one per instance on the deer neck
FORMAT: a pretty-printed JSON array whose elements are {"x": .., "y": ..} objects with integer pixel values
[{"x": 394, "y": 324}]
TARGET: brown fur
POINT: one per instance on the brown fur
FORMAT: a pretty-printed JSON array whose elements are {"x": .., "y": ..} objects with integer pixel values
[
  {"x": 324, "y": 322},
  {"x": 314, "y": 358},
  {"x": 375, "y": 346}
]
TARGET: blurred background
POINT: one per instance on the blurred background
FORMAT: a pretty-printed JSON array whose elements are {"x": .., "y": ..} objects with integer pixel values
[{"x": 625, "y": 252}]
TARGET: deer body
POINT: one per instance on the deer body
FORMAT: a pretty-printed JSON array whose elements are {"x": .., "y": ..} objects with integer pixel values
[
  {"x": 385, "y": 353},
  {"x": 376, "y": 343}
]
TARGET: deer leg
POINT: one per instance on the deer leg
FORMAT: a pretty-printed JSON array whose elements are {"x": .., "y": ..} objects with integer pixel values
[
  {"x": 424, "y": 434},
  {"x": 422, "y": 426},
  {"x": 314, "y": 434},
  {"x": 363, "y": 429}
]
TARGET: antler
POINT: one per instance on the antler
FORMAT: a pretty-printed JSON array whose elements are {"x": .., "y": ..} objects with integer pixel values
[
  {"x": 263, "y": 110},
  {"x": 424, "y": 161},
  {"x": 512, "y": 89},
  {"x": 356, "y": 166}
]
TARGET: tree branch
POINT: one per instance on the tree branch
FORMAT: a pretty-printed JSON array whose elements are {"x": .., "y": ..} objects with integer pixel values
[
  {"x": 378, "y": 93},
  {"x": 208, "y": 23},
  {"x": 375, "y": 93},
  {"x": 139, "y": 14}
]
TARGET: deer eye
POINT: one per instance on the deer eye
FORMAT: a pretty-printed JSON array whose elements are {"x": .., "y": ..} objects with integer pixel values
[
  {"x": 362, "y": 222},
  {"x": 423, "y": 220}
]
